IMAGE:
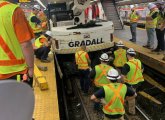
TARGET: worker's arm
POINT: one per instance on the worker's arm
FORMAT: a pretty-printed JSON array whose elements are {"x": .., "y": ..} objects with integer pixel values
[
  {"x": 152, "y": 17},
  {"x": 124, "y": 72},
  {"x": 28, "y": 52},
  {"x": 163, "y": 26},
  {"x": 130, "y": 94},
  {"x": 98, "y": 95},
  {"x": 88, "y": 59}
]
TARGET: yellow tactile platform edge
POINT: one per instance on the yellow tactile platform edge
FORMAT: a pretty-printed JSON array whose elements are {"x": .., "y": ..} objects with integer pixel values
[{"x": 46, "y": 102}]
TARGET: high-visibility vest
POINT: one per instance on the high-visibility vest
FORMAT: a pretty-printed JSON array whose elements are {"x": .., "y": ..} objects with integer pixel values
[
  {"x": 134, "y": 17},
  {"x": 160, "y": 20},
  {"x": 101, "y": 73},
  {"x": 151, "y": 23},
  {"x": 120, "y": 58},
  {"x": 81, "y": 60},
  {"x": 37, "y": 42},
  {"x": 114, "y": 98},
  {"x": 36, "y": 28},
  {"x": 11, "y": 56},
  {"x": 134, "y": 76}
]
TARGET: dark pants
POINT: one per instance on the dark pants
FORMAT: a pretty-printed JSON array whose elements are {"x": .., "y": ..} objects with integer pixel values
[
  {"x": 29, "y": 81},
  {"x": 42, "y": 53},
  {"x": 133, "y": 30},
  {"x": 37, "y": 34},
  {"x": 160, "y": 38},
  {"x": 84, "y": 80}
]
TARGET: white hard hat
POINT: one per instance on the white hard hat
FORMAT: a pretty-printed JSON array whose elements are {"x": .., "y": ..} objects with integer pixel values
[
  {"x": 132, "y": 6},
  {"x": 113, "y": 75},
  {"x": 37, "y": 7},
  {"x": 151, "y": 5},
  {"x": 104, "y": 57},
  {"x": 120, "y": 44},
  {"x": 131, "y": 51},
  {"x": 49, "y": 33}
]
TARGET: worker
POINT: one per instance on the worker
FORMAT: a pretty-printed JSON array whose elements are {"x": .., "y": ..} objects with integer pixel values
[
  {"x": 35, "y": 22},
  {"x": 132, "y": 75},
  {"x": 133, "y": 17},
  {"x": 119, "y": 56},
  {"x": 98, "y": 75},
  {"x": 114, "y": 94},
  {"x": 42, "y": 46},
  {"x": 151, "y": 21},
  {"x": 160, "y": 33},
  {"x": 17, "y": 56},
  {"x": 83, "y": 63}
]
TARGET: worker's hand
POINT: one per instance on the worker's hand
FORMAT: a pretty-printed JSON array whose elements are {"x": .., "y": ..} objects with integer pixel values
[{"x": 31, "y": 72}]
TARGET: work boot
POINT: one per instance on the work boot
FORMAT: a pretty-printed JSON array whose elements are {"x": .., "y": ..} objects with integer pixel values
[
  {"x": 42, "y": 68},
  {"x": 45, "y": 61},
  {"x": 146, "y": 46},
  {"x": 163, "y": 58}
]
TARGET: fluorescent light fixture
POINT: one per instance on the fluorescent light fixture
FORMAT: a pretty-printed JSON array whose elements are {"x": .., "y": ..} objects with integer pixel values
[{"x": 39, "y": 1}]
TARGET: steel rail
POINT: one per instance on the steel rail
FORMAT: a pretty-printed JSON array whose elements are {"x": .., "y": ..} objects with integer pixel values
[{"x": 144, "y": 115}]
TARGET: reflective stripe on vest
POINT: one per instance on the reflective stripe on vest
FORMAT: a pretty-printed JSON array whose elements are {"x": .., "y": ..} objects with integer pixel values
[
  {"x": 81, "y": 60},
  {"x": 151, "y": 23},
  {"x": 114, "y": 97},
  {"x": 120, "y": 58},
  {"x": 37, "y": 42},
  {"x": 134, "y": 17},
  {"x": 134, "y": 76},
  {"x": 101, "y": 73},
  {"x": 11, "y": 56},
  {"x": 36, "y": 28}
]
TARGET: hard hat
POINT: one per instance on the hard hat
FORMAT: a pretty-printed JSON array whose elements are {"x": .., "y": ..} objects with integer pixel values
[
  {"x": 49, "y": 33},
  {"x": 131, "y": 51},
  {"x": 37, "y": 7},
  {"x": 113, "y": 75},
  {"x": 151, "y": 6},
  {"x": 132, "y": 6},
  {"x": 104, "y": 57},
  {"x": 120, "y": 44}
]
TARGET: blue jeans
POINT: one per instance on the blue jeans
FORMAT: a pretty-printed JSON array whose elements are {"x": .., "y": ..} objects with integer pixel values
[
  {"x": 151, "y": 36},
  {"x": 42, "y": 53},
  {"x": 84, "y": 80},
  {"x": 133, "y": 30}
]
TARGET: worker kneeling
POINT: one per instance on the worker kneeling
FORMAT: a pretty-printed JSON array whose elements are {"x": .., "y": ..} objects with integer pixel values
[
  {"x": 42, "y": 46},
  {"x": 114, "y": 94}
]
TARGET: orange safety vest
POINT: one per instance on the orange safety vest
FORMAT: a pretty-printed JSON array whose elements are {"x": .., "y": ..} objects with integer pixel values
[
  {"x": 101, "y": 73},
  {"x": 134, "y": 76},
  {"x": 114, "y": 97},
  {"x": 11, "y": 56},
  {"x": 81, "y": 60}
]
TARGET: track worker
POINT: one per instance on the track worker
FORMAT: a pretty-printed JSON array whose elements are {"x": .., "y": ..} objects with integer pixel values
[
  {"x": 35, "y": 22},
  {"x": 42, "y": 46},
  {"x": 151, "y": 21},
  {"x": 134, "y": 18},
  {"x": 160, "y": 33},
  {"x": 16, "y": 53},
  {"x": 114, "y": 95},
  {"x": 120, "y": 57},
  {"x": 83, "y": 63},
  {"x": 132, "y": 75},
  {"x": 99, "y": 73}
]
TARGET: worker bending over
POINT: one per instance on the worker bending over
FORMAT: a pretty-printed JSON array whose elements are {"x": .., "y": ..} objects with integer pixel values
[
  {"x": 83, "y": 63},
  {"x": 114, "y": 94},
  {"x": 132, "y": 75},
  {"x": 120, "y": 57},
  {"x": 16, "y": 53},
  {"x": 42, "y": 46},
  {"x": 35, "y": 22},
  {"x": 99, "y": 73}
]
